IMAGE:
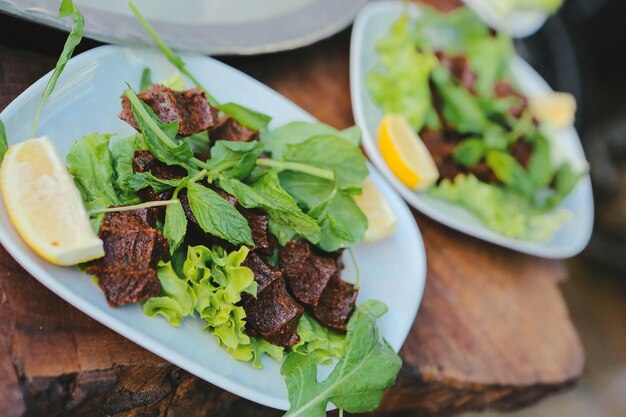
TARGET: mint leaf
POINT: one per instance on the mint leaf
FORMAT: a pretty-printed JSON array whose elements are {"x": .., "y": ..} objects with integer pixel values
[
  {"x": 122, "y": 152},
  {"x": 510, "y": 172},
  {"x": 540, "y": 163},
  {"x": 3, "y": 141},
  {"x": 469, "y": 152},
  {"x": 235, "y": 159},
  {"x": 175, "y": 226},
  {"x": 217, "y": 216},
  {"x": 332, "y": 154},
  {"x": 368, "y": 367},
  {"x": 285, "y": 217},
  {"x": 297, "y": 132},
  {"x": 67, "y": 8}
]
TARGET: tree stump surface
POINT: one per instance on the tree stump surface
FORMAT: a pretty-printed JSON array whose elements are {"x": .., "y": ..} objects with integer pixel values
[{"x": 493, "y": 330}]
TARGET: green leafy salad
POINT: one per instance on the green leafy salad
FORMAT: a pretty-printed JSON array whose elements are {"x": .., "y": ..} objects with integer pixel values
[
  {"x": 208, "y": 214},
  {"x": 449, "y": 76}
]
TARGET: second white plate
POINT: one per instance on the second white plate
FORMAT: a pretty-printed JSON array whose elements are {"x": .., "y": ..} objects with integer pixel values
[{"x": 371, "y": 24}]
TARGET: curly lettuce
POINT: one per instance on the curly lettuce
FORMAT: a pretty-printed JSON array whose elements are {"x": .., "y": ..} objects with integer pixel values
[{"x": 501, "y": 211}]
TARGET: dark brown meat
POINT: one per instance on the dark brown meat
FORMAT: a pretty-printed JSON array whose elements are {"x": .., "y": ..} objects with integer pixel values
[
  {"x": 227, "y": 128},
  {"x": 522, "y": 151},
  {"x": 504, "y": 89},
  {"x": 444, "y": 5},
  {"x": 133, "y": 247},
  {"x": 144, "y": 161},
  {"x": 460, "y": 68},
  {"x": 274, "y": 315},
  {"x": 264, "y": 274},
  {"x": 306, "y": 274},
  {"x": 336, "y": 304},
  {"x": 189, "y": 108},
  {"x": 313, "y": 278},
  {"x": 441, "y": 151}
]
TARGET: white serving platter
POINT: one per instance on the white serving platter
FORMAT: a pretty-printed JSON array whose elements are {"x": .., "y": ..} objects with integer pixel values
[
  {"x": 87, "y": 99},
  {"x": 371, "y": 24}
]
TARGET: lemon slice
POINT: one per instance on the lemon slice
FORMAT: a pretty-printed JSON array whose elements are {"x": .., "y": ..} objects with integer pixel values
[
  {"x": 380, "y": 217},
  {"x": 405, "y": 153},
  {"x": 556, "y": 108},
  {"x": 45, "y": 206}
]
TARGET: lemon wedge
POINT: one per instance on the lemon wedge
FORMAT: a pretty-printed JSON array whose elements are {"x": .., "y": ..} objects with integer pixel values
[
  {"x": 45, "y": 206},
  {"x": 405, "y": 153},
  {"x": 556, "y": 108},
  {"x": 380, "y": 217}
]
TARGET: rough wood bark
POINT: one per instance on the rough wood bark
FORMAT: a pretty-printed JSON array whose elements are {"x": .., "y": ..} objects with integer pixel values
[{"x": 492, "y": 332}]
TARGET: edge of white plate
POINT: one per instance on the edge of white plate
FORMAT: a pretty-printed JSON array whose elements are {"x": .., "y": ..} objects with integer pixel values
[
  {"x": 119, "y": 326},
  {"x": 357, "y": 84}
]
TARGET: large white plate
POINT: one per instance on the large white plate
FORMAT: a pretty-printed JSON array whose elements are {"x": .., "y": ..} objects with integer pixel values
[
  {"x": 208, "y": 26},
  {"x": 87, "y": 100},
  {"x": 371, "y": 24}
]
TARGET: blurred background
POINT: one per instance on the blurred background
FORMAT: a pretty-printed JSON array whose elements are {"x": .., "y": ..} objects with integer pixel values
[{"x": 582, "y": 50}]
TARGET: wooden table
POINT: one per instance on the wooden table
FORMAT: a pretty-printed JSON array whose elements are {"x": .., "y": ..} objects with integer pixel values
[{"x": 492, "y": 331}]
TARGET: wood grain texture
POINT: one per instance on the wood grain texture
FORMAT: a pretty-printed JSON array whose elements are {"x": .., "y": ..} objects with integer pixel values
[{"x": 492, "y": 331}]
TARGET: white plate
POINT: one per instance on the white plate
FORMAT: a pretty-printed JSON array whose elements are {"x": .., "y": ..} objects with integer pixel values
[
  {"x": 371, "y": 24},
  {"x": 240, "y": 27},
  {"x": 87, "y": 100},
  {"x": 520, "y": 23}
]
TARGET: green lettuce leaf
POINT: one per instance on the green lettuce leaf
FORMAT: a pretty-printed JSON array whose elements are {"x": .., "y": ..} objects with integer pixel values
[
  {"x": 178, "y": 299},
  {"x": 293, "y": 133},
  {"x": 90, "y": 163},
  {"x": 122, "y": 152},
  {"x": 501, "y": 211},
  {"x": 318, "y": 340},
  {"x": 367, "y": 368}
]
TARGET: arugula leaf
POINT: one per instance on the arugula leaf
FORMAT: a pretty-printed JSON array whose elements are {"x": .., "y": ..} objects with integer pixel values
[
  {"x": 146, "y": 79},
  {"x": 336, "y": 155},
  {"x": 67, "y": 8},
  {"x": 169, "y": 54},
  {"x": 297, "y": 132},
  {"x": 368, "y": 367},
  {"x": 90, "y": 163},
  {"x": 249, "y": 118},
  {"x": 217, "y": 216},
  {"x": 175, "y": 226},
  {"x": 3, "y": 141},
  {"x": 240, "y": 157},
  {"x": 469, "y": 152},
  {"x": 122, "y": 152},
  {"x": 159, "y": 137}
]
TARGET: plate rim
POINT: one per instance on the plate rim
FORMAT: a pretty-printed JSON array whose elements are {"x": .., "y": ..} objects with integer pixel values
[
  {"x": 102, "y": 36},
  {"x": 41, "y": 274},
  {"x": 540, "y": 249}
]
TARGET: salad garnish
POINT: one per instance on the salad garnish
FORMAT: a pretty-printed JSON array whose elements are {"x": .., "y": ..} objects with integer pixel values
[
  {"x": 206, "y": 213},
  {"x": 449, "y": 76}
]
